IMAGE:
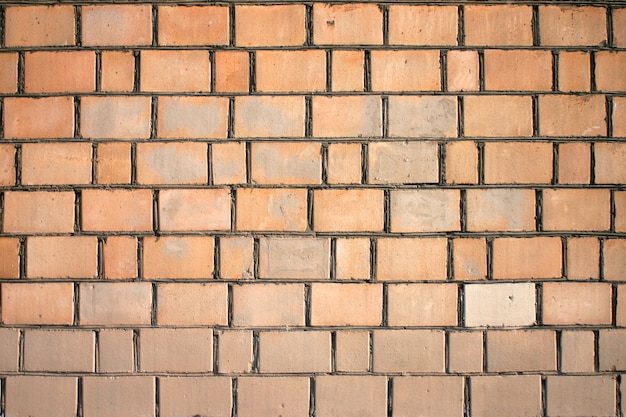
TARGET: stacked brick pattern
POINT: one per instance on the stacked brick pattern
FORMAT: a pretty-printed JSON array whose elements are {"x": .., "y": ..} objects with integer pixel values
[{"x": 242, "y": 209}]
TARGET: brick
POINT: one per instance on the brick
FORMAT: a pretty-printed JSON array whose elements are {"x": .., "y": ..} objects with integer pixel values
[
  {"x": 175, "y": 71},
  {"x": 113, "y": 163},
  {"x": 187, "y": 396},
  {"x": 609, "y": 163},
  {"x": 236, "y": 257},
  {"x": 515, "y": 28},
  {"x": 58, "y": 72},
  {"x": 286, "y": 163},
  {"x": 115, "y": 303},
  {"x": 403, "y": 162},
  {"x": 619, "y": 27},
  {"x": 294, "y": 258},
  {"x": 119, "y": 257},
  {"x": 264, "y": 397},
  {"x": 56, "y": 395},
  {"x": 574, "y": 163},
  {"x": 346, "y": 24},
  {"x": 614, "y": 259},
  {"x": 290, "y": 71},
  {"x": 9, "y": 258},
  {"x": 523, "y": 258},
  {"x": 422, "y": 305},
  {"x": 39, "y": 26},
  {"x": 409, "y": 351},
  {"x": 194, "y": 209},
  {"x": 7, "y": 165},
  {"x": 577, "y": 303},
  {"x": 577, "y": 351},
  {"x": 235, "y": 351},
  {"x": 422, "y": 116},
  {"x": 620, "y": 314},
  {"x": 612, "y": 351},
  {"x": 571, "y": 209},
  {"x": 518, "y": 163},
  {"x": 618, "y": 114},
  {"x": 514, "y": 115},
  {"x": 428, "y": 395},
  {"x": 56, "y": 163},
  {"x": 118, "y": 71},
  {"x": 500, "y": 209},
  {"x": 352, "y": 351},
  {"x": 463, "y": 71},
  {"x": 362, "y": 210},
  {"x": 405, "y": 70},
  {"x": 268, "y": 305},
  {"x": 608, "y": 65},
  {"x": 269, "y": 116},
  {"x": 346, "y": 304},
  {"x": 9, "y": 350},
  {"x": 193, "y": 25},
  {"x": 178, "y": 257},
  {"x": 192, "y": 117},
  {"x": 55, "y": 257},
  {"x": 574, "y": 71},
  {"x": 347, "y": 116},
  {"x": 267, "y": 209},
  {"x": 59, "y": 350},
  {"x": 620, "y": 211},
  {"x": 499, "y": 304},
  {"x": 115, "y": 117},
  {"x": 581, "y": 395},
  {"x": 176, "y": 350},
  {"x": 114, "y": 396},
  {"x": 172, "y": 163},
  {"x": 8, "y": 72},
  {"x": 569, "y": 26},
  {"x": 255, "y": 25},
  {"x": 409, "y": 259},
  {"x": 228, "y": 163},
  {"x": 294, "y": 352},
  {"x": 423, "y": 25},
  {"x": 465, "y": 351},
  {"x": 518, "y": 70},
  {"x": 350, "y": 396},
  {"x": 115, "y": 350},
  {"x": 461, "y": 162},
  {"x": 38, "y": 212},
  {"x": 521, "y": 351},
  {"x": 572, "y": 115},
  {"x": 494, "y": 395},
  {"x": 469, "y": 259},
  {"x": 425, "y": 210},
  {"x": 352, "y": 258},
  {"x": 347, "y": 70},
  {"x": 344, "y": 163},
  {"x": 116, "y": 210},
  {"x": 232, "y": 71},
  {"x": 50, "y": 303},
  {"x": 22, "y": 117},
  {"x": 583, "y": 258},
  {"x": 117, "y": 25}
]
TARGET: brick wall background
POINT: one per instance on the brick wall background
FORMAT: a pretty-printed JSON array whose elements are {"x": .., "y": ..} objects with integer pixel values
[{"x": 313, "y": 209}]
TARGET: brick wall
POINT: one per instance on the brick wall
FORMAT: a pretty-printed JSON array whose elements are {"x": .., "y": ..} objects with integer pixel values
[{"x": 313, "y": 209}]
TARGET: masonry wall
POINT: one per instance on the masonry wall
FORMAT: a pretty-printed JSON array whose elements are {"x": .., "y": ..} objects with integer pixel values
[{"x": 313, "y": 209}]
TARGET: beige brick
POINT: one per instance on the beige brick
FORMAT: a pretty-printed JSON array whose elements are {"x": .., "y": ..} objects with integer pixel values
[
  {"x": 234, "y": 351},
  {"x": 344, "y": 163},
  {"x": 176, "y": 350},
  {"x": 496, "y": 304},
  {"x": 428, "y": 395},
  {"x": 577, "y": 351},
  {"x": 172, "y": 163},
  {"x": 612, "y": 350},
  {"x": 352, "y": 351},
  {"x": 192, "y": 304},
  {"x": 269, "y": 116},
  {"x": 347, "y": 116},
  {"x": 192, "y": 117},
  {"x": 461, "y": 162},
  {"x": 346, "y": 304},
  {"x": 568, "y": 25},
  {"x": 115, "y": 396},
  {"x": 465, "y": 351},
  {"x": 500, "y": 209},
  {"x": 515, "y": 25},
  {"x": 423, "y": 116},
  {"x": 38, "y": 212},
  {"x": 185, "y": 396},
  {"x": 521, "y": 351},
  {"x": 409, "y": 351},
  {"x": 115, "y": 350},
  {"x": 194, "y": 210},
  {"x": 236, "y": 257},
  {"x": 41, "y": 396},
  {"x": 518, "y": 162},
  {"x": 228, "y": 163},
  {"x": 522, "y": 258},
  {"x": 350, "y": 396},
  {"x": 570, "y": 396},
  {"x": 271, "y": 396},
  {"x": 294, "y": 352},
  {"x": 59, "y": 350},
  {"x": 115, "y": 304},
  {"x": 294, "y": 258},
  {"x": 120, "y": 257},
  {"x": 425, "y": 211},
  {"x": 361, "y": 210},
  {"x": 463, "y": 71},
  {"x": 469, "y": 259},
  {"x": 411, "y": 259},
  {"x": 347, "y": 70},
  {"x": 614, "y": 259},
  {"x": 49, "y": 303},
  {"x": 572, "y": 303},
  {"x": 352, "y": 258},
  {"x": 422, "y": 304},
  {"x": 511, "y": 395},
  {"x": 402, "y": 162},
  {"x": 268, "y": 305},
  {"x": 9, "y": 346},
  {"x": 621, "y": 305},
  {"x": 271, "y": 209},
  {"x": 178, "y": 257},
  {"x": 583, "y": 258},
  {"x": 54, "y": 257},
  {"x": 294, "y": 163}
]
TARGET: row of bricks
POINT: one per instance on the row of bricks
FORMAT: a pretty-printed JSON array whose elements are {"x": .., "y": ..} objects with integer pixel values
[
  {"x": 321, "y": 396},
  {"x": 268, "y": 71},
  {"x": 308, "y": 258},
  {"x": 320, "y": 24},
  {"x": 312, "y": 352},
  {"x": 317, "y": 304},
  {"x": 398, "y": 116}
]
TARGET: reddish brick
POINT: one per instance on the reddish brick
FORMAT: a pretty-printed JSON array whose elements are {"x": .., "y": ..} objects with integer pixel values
[
  {"x": 405, "y": 70},
  {"x": 583, "y": 258},
  {"x": 534, "y": 257},
  {"x": 346, "y": 304},
  {"x": 423, "y": 25},
  {"x": 461, "y": 162},
  {"x": 422, "y": 116},
  {"x": 572, "y": 25},
  {"x": 117, "y": 210},
  {"x": 572, "y": 115},
  {"x": 344, "y": 163},
  {"x": 422, "y": 305},
  {"x": 347, "y": 70},
  {"x": 521, "y": 350},
  {"x": 350, "y": 396},
  {"x": 618, "y": 116},
  {"x": 469, "y": 259},
  {"x": 347, "y": 24},
  {"x": 269, "y": 116},
  {"x": 192, "y": 304},
  {"x": 362, "y": 210},
  {"x": 59, "y": 350},
  {"x": 268, "y": 305},
  {"x": 465, "y": 351},
  {"x": 620, "y": 211},
  {"x": 8, "y": 72},
  {"x": 619, "y": 27},
  {"x": 609, "y": 65},
  {"x": 56, "y": 163},
  {"x": 9, "y": 258},
  {"x": 192, "y": 117},
  {"x": 592, "y": 395},
  {"x": 113, "y": 396},
  {"x": 176, "y": 350},
  {"x": 256, "y": 25},
  {"x": 232, "y": 71},
  {"x": 518, "y": 162},
  {"x": 115, "y": 117},
  {"x": 294, "y": 352},
  {"x": 409, "y": 351},
  {"x": 235, "y": 351},
  {"x": 425, "y": 210},
  {"x": 352, "y": 258},
  {"x": 50, "y": 303},
  {"x": 184, "y": 396},
  {"x": 267, "y": 209},
  {"x": 514, "y": 115},
  {"x": 291, "y": 71},
  {"x": 574, "y": 163},
  {"x": 38, "y": 212},
  {"x": 236, "y": 257},
  {"x": 119, "y": 257},
  {"x": 115, "y": 303},
  {"x": 113, "y": 163},
  {"x": 609, "y": 163},
  {"x": 286, "y": 163},
  {"x": 571, "y": 209},
  {"x": 178, "y": 257},
  {"x": 574, "y": 71},
  {"x": 7, "y": 165},
  {"x": 409, "y": 259},
  {"x": 514, "y": 28},
  {"x": 118, "y": 71},
  {"x": 463, "y": 71},
  {"x": 172, "y": 163},
  {"x": 403, "y": 162},
  {"x": 193, "y": 25},
  {"x": 9, "y": 350},
  {"x": 194, "y": 209},
  {"x": 577, "y": 351},
  {"x": 352, "y": 351},
  {"x": 500, "y": 304},
  {"x": 39, "y": 26},
  {"x": 500, "y": 209},
  {"x": 523, "y": 70},
  {"x": 22, "y": 117},
  {"x": 351, "y": 116},
  {"x": 510, "y": 395},
  {"x": 115, "y": 350},
  {"x": 117, "y": 25},
  {"x": 263, "y": 396},
  {"x": 175, "y": 71},
  {"x": 54, "y": 72},
  {"x": 614, "y": 259},
  {"x": 55, "y": 395},
  {"x": 294, "y": 258},
  {"x": 228, "y": 165},
  {"x": 428, "y": 395},
  {"x": 55, "y": 257}
]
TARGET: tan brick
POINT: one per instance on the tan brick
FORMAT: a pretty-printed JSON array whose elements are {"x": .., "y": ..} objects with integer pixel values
[
  {"x": 39, "y": 26},
  {"x": 423, "y": 25},
  {"x": 521, "y": 350},
  {"x": 422, "y": 305},
  {"x": 189, "y": 396},
  {"x": 291, "y": 71},
  {"x": 620, "y": 211},
  {"x": 570, "y": 209},
  {"x": 572, "y": 115},
  {"x": 114, "y": 396},
  {"x": 176, "y": 350},
  {"x": 612, "y": 351},
  {"x": 49, "y": 303},
  {"x": 619, "y": 27},
  {"x": 113, "y": 163},
  {"x": 402, "y": 162},
  {"x": 235, "y": 351},
  {"x": 609, "y": 65},
  {"x": 568, "y": 25},
  {"x": 347, "y": 24},
  {"x": 59, "y": 350},
  {"x": 574, "y": 163},
  {"x": 350, "y": 396},
  {"x": 422, "y": 116},
  {"x": 9, "y": 350},
  {"x": 194, "y": 209},
  {"x": 514, "y": 29},
  {"x": 40, "y": 396},
  {"x": 255, "y": 25},
  {"x": 114, "y": 304},
  {"x": 514, "y": 115},
  {"x": 609, "y": 166},
  {"x": 269, "y": 116},
  {"x": 344, "y": 163},
  {"x": 469, "y": 259},
  {"x": 570, "y": 396},
  {"x": 346, "y": 304},
  {"x": 192, "y": 117},
  {"x": 7, "y": 164},
  {"x": 232, "y": 71},
  {"x": 510, "y": 395},
  {"x": 583, "y": 258},
  {"x": 521, "y": 70},
  {"x": 428, "y": 395},
  {"x": 228, "y": 165},
  {"x": 192, "y": 304},
  {"x": 499, "y": 304},
  {"x": 577, "y": 303},
  {"x": 172, "y": 163},
  {"x": 352, "y": 258},
  {"x": 178, "y": 257},
  {"x": 55, "y": 257},
  {"x": 294, "y": 352},
  {"x": 38, "y": 212},
  {"x": 175, "y": 71},
  {"x": 59, "y": 72},
  {"x": 118, "y": 71},
  {"x": 577, "y": 351},
  {"x": 268, "y": 305},
  {"x": 620, "y": 315},
  {"x": 463, "y": 71},
  {"x": 347, "y": 70},
  {"x": 347, "y": 116},
  {"x": 115, "y": 117},
  {"x": 500, "y": 209},
  {"x": 8, "y": 72},
  {"x": 115, "y": 350},
  {"x": 22, "y": 117},
  {"x": 409, "y": 351},
  {"x": 56, "y": 163},
  {"x": 193, "y": 25},
  {"x": 425, "y": 210},
  {"x": 117, "y": 210},
  {"x": 409, "y": 259},
  {"x": 9, "y": 258},
  {"x": 461, "y": 162},
  {"x": 574, "y": 71},
  {"x": 361, "y": 210},
  {"x": 264, "y": 397},
  {"x": 465, "y": 351},
  {"x": 352, "y": 351},
  {"x": 521, "y": 258},
  {"x": 618, "y": 115},
  {"x": 286, "y": 163},
  {"x": 294, "y": 258},
  {"x": 405, "y": 70},
  {"x": 236, "y": 257},
  {"x": 116, "y": 25},
  {"x": 119, "y": 257},
  {"x": 518, "y": 163},
  {"x": 268, "y": 209},
  {"x": 614, "y": 259}
]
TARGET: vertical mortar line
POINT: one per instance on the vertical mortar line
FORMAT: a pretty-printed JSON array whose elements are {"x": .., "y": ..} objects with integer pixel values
[
  {"x": 79, "y": 397},
  {"x": 329, "y": 70},
  {"x": 481, "y": 70},
  {"x": 2, "y": 45},
  {"x": 248, "y": 163},
  {"x": 385, "y": 10},
  {"x": 209, "y": 164},
  {"x": 461, "y": 26},
  {"x": 370, "y": 367},
  {"x": 592, "y": 64},
  {"x": 3, "y": 396},
  {"x": 325, "y": 163},
  {"x": 309, "y": 210},
  {"x": 387, "y": 210},
  {"x": 136, "y": 79},
  {"x": 154, "y": 307},
  {"x": 609, "y": 116},
  {"x": 460, "y": 125},
  {"x": 1, "y": 213},
  {"x": 618, "y": 396},
  {"x": 485, "y": 351},
  {"x": 367, "y": 71},
  {"x": 136, "y": 358},
  {"x": 252, "y": 79},
  {"x": 467, "y": 397},
  {"x": 133, "y": 163},
  {"x": 309, "y": 25},
  {"x": 364, "y": 164},
  {"x": 230, "y": 305},
  {"x": 155, "y": 25},
  {"x": 216, "y": 258},
  {"x": 76, "y": 304},
  {"x": 100, "y": 266},
  {"x": 601, "y": 259},
  {"x": 18, "y": 164},
  {"x": 596, "y": 350},
  {"x": 96, "y": 351},
  {"x": 373, "y": 255},
  {"x": 389, "y": 396},
  {"x": 154, "y": 104},
  {"x": 231, "y": 25},
  {"x": 1, "y": 117},
  {"x": 77, "y": 134},
  {"x": 535, "y": 26},
  {"x": 555, "y": 70},
  {"x": 231, "y": 117},
  {"x": 592, "y": 164},
  {"x": 94, "y": 163},
  {"x": 385, "y": 116},
  {"x": 233, "y": 407},
  {"x": 77, "y": 213},
  {"x": 489, "y": 242},
  {"x": 544, "y": 396},
  {"x": 333, "y": 351},
  {"x": 255, "y": 351},
  {"x": 98, "y": 71},
  {"x": 213, "y": 69},
  {"x": 157, "y": 396},
  {"x": 216, "y": 357},
  {"x": 460, "y": 305},
  {"x": 609, "y": 27},
  {"x": 140, "y": 257},
  {"x": 613, "y": 212},
  {"x": 443, "y": 69},
  {"x": 155, "y": 212},
  {"x": 256, "y": 257},
  {"x": 535, "y": 109},
  {"x": 333, "y": 258},
  {"x": 385, "y": 313},
  {"x": 20, "y": 355},
  {"x": 481, "y": 163},
  {"x": 307, "y": 304},
  {"x": 233, "y": 208},
  {"x": 539, "y": 303},
  {"x": 559, "y": 356},
  {"x": 614, "y": 305},
  {"x": 555, "y": 163},
  {"x": 20, "y": 72},
  {"x": 22, "y": 255},
  {"x": 447, "y": 352},
  {"x": 564, "y": 256},
  {"x": 463, "y": 210},
  {"x": 450, "y": 268},
  {"x": 441, "y": 156},
  {"x": 308, "y": 110},
  {"x": 78, "y": 23},
  {"x": 312, "y": 396},
  {"x": 539, "y": 210}
]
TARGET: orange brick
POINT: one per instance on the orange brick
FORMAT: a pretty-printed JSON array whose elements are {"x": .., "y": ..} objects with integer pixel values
[
  {"x": 620, "y": 211},
  {"x": 291, "y": 71},
  {"x": 409, "y": 259},
  {"x": 192, "y": 304},
  {"x": 352, "y": 258},
  {"x": 256, "y": 25},
  {"x": 346, "y": 304},
  {"x": 194, "y": 209},
  {"x": 577, "y": 303},
  {"x": 232, "y": 71},
  {"x": 561, "y": 115},
  {"x": 267, "y": 209},
  {"x": 294, "y": 352},
  {"x": 500, "y": 209},
  {"x": 351, "y": 116},
  {"x": 22, "y": 117},
  {"x": 619, "y": 27},
  {"x": 262, "y": 396},
  {"x": 9, "y": 350},
  {"x": 117, "y": 25},
  {"x": 120, "y": 257},
  {"x": 172, "y": 163},
  {"x": 192, "y": 117},
  {"x": 514, "y": 115},
  {"x": 236, "y": 257},
  {"x": 423, "y": 25},
  {"x": 362, "y": 210},
  {"x": 269, "y": 116},
  {"x": 409, "y": 351},
  {"x": 187, "y": 396},
  {"x": 469, "y": 259},
  {"x": 609, "y": 65},
  {"x": 59, "y": 350},
  {"x": 50, "y": 303},
  {"x": 618, "y": 116},
  {"x": 286, "y": 163},
  {"x": 609, "y": 163},
  {"x": 347, "y": 70},
  {"x": 9, "y": 258},
  {"x": 344, "y": 163},
  {"x": 176, "y": 350},
  {"x": 465, "y": 351},
  {"x": 612, "y": 350},
  {"x": 574, "y": 163},
  {"x": 614, "y": 259},
  {"x": 521, "y": 350},
  {"x": 228, "y": 163},
  {"x": 54, "y": 72},
  {"x": 8, "y": 72},
  {"x": 115, "y": 303},
  {"x": 38, "y": 212},
  {"x": 461, "y": 162},
  {"x": 405, "y": 70},
  {"x": 294, "y": 258},
  {"x": 572, "y": 25},
  {"x": 621, "y": 305},
  {"x": 39, "y": 26},
  {"x": 175, "y": 71},
  {"x": 55, "y": 257},
  {"x": 115, "y": 350},
  {"x": 112, "y": 396},
  {"x": 428, "y": 395},
  {"x": 178, "y": 257},
  {"x": 535, "y": 257},
  {"x": 422, "y": 116},
  {"x": 463, "y": 71},
  {"x": 522, "y": 70},
  {"x": 113, "y": 163},
  {"x": 117, "y": 210},
  {"x": 510, "y": 395},
  {"x": 193, "y": 25},
  {"x": 118, "y": 71},
  {"x": 577, "y": 351},
  {"x": 500, "y": 304},
  {"x": 7, "y": 165},
  {"x": 571, "y": 209},
  {"x": 268, "y": 305},
  {"x": 235, "y": 351},
  {"x": 518, "y": 163},
  {"x": 514, "y": 28},
  {"x": 574, "y": 71},
  {"x": 581, "y": 395},
  {"x": 115, "y": 117},
  {"x": 352, "y": 352},
  {"x": 347, "y": 24},
  {"x": 583, "y": 258},
  {"x": 56, "y": 395},
  {"x": 56, "y": 163},
  {"x": 403, "y": 162},
  {"x": 422, "y": 304},
  {"x": 350, "y": 396}
]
